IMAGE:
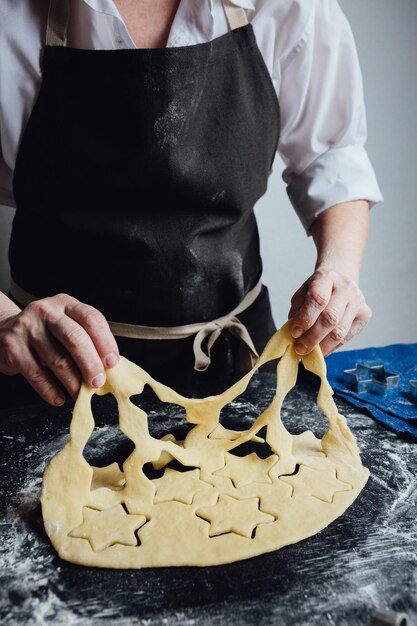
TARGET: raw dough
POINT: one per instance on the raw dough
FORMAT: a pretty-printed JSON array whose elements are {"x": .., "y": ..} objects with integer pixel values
[{"x": 221, "y": 507}]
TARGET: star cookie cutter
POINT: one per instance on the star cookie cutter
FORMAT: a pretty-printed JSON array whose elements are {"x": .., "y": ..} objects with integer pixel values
[
  {"x": 372, "y": 379},
  {"x": 413, "y": 390}
]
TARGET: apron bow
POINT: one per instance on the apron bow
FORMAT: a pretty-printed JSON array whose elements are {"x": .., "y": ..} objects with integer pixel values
[{"x": 212, "y": 331}]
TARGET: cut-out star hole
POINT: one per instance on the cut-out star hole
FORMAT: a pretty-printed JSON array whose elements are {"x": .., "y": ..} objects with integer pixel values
[
  {"x": 105, "y": 528},
  {"x": 317, "y": 483},
  {"x": 236, "y": 516},
  {"x": 372, "y": 379}
]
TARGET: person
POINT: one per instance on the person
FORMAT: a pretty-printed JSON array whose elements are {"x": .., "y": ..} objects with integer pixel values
[{"x": 136, "y": 138}]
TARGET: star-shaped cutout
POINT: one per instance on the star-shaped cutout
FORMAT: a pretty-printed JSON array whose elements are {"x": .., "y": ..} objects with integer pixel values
[
  {"x": 105, "y": 528},
  {"x": 232, "y": 515},
  {"x": 321, "y": 484},
  {"x": 180, "y": 486},
  {"x": 373, "y": 379},
  {"x": 247, "y": 469}
]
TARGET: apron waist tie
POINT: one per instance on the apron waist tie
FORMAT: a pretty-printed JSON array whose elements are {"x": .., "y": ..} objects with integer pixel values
[{"x": 204, "y": 330}]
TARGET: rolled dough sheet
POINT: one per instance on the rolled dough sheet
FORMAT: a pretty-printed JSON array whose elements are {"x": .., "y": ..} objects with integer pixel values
[{"x": 221, "y": 507}]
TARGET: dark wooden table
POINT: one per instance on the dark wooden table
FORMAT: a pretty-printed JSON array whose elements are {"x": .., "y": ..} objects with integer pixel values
[{"x": 367, "y": 559}]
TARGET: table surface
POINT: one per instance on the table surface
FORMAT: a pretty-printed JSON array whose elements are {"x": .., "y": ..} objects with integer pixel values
[{"x": 365, "y": 560}]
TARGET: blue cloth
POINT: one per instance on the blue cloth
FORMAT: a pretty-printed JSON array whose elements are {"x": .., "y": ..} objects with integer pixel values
[{"x": 396, "y": 409}]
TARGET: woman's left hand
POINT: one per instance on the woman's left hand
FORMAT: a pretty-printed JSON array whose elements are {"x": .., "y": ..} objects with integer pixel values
[{"x": 327, "y": 310}]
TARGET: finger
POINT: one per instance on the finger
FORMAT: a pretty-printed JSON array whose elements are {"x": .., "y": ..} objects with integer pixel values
[
  {"x": 297, "y": 300},
  {"x": 332, "y": 321},
  {"x": 52, "y": 355},
  {"x": 97, "y": 327},
  {"x": 316, "y": 300},
  {"x": 9, "y": 353},
  {"x": 357, "y": 326},
  {"x": 39, "y": 378},
  {"x": 80, "y": 346},
  {"x": 338, "y": 336}
]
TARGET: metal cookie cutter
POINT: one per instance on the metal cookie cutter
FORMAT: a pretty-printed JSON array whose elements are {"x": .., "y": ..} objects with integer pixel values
[
  {"x": 413, "y": 390},
  {"x": 374, "y": 379},
  {"x": 389, "y": 618}
]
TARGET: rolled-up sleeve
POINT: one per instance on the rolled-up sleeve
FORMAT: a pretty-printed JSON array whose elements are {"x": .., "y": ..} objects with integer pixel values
[{"x": 323, "y": 118}]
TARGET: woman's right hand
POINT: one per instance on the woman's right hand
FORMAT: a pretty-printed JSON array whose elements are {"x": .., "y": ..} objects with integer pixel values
[{"x": 58, "y": 335}]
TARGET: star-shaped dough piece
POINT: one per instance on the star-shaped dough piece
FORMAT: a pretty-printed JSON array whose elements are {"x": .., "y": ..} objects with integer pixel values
[
  {"x": 247, "y": 469},
  {"x": 321, "y": 484},
  {"x": 105, "y": 528},
  {"x": 232, "y": 515},
  {"x": 180, "y": 486}
]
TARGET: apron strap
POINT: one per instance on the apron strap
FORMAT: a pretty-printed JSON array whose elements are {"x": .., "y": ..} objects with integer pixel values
[
  {"x": 236, "y": 16},
  {"x": 56, "y": 29},
  {"x": 203, "y": 330}
]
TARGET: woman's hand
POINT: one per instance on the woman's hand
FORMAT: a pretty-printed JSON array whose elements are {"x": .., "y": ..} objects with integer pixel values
[
  {"x": 327, "y": 310},
  {"x": 58, "y": 335}
]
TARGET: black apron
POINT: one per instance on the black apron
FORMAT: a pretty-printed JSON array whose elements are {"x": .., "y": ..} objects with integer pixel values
[{"x": 135, "y": 184}]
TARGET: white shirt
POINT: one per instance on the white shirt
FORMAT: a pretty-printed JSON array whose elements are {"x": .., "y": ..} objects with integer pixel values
[{"x": 310, "y": 53}]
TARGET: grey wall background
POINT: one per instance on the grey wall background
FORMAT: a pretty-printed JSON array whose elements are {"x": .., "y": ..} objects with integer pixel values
[
  {"x": 385, "y": 33},
  {"x": 386, "y": 37}
]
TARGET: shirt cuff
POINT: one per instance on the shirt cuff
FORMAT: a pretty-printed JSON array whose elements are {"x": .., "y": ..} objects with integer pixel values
[{"x": 338, "y": 175}]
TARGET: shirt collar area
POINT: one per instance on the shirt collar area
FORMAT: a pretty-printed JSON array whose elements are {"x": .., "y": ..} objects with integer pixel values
[
  {"x": 244, "y": 4},
  {"x": 190, "y": 17},
  {"x": 104, "y": 6},
  {"x": 193, "y": 23},
  {"x": 108, "y": 7}
]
